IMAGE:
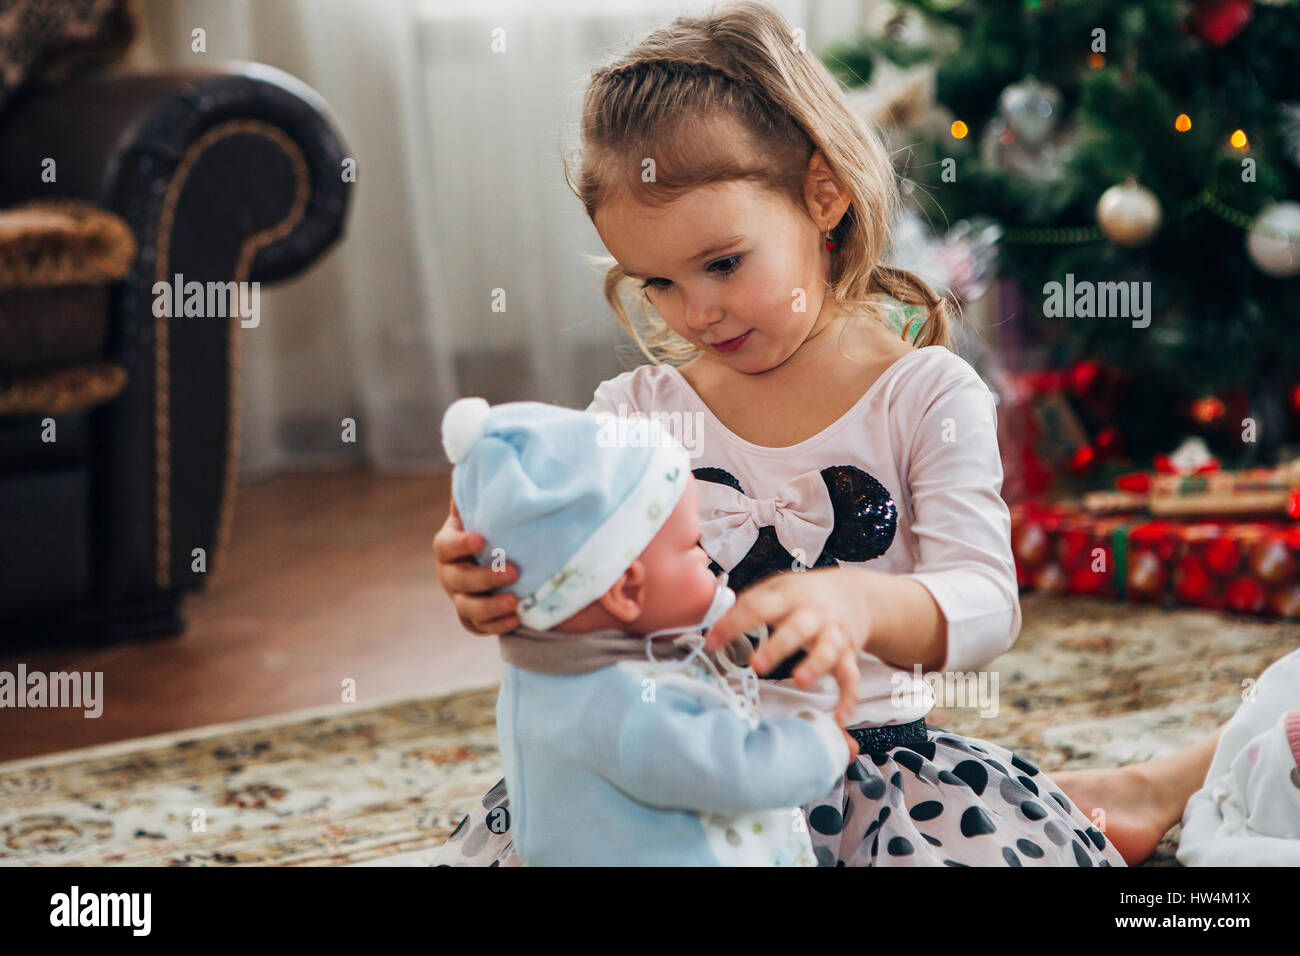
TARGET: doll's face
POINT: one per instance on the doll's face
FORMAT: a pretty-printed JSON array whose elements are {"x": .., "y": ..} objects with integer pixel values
[
  {"x": 722, "y": 264},
  {"x": 679, "y": 586}
]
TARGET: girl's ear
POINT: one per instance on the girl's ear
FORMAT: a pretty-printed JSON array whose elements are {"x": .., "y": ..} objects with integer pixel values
[{"x": 625, "y": 599}]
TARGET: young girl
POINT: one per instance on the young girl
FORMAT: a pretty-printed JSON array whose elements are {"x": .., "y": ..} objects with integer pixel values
[{"x": 726, "y": 173}]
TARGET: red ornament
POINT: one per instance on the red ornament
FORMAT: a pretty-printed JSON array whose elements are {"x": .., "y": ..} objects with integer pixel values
[
  {"x": 1108, "y": 440},
  {"x": 1071, "y": 548},
  {"x": 1218, "y": 21},
  {"x": 1082, "y": 459},
  {"x": 1221, "y": 556},
  {"x": 1208, "y": 410},
  {"x": 1192, "y": 583},
  {"x": 1135, "y": 481},
  {"x": 1295, "y": 400},
  {"x": 1083, "y": 375},
  {"x": 1245, "y": 594}
]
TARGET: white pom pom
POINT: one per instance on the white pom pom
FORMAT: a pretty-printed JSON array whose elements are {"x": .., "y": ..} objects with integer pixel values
[{"x": 462, "y": 425}]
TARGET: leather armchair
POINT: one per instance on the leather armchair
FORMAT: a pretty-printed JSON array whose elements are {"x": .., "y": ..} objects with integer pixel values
[{"x": 232, "y": 174}]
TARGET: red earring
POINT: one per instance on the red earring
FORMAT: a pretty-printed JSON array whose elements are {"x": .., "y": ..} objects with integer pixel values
[{"x": 830, "y": 243}]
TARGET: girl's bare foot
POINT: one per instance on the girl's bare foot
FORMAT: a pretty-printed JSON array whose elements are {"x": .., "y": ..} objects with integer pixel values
[
  {"x": 1140, "y": 802},
  {"x": 1124, "y": 805}
]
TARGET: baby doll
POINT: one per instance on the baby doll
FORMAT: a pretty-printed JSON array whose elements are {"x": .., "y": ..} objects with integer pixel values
[{"x": 622, "y": 745}]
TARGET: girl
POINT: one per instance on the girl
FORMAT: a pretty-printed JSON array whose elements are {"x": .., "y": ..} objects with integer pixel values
[{"x": 727, "y": 175}]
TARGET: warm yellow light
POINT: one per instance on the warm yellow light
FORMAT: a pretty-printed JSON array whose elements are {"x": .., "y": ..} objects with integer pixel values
[
  {"x": 1183, "y": 123},
  {"x": 959, "y": 129},
  {"x": 1238, "y": 139},
  {"x": 1096, "y": 60}
]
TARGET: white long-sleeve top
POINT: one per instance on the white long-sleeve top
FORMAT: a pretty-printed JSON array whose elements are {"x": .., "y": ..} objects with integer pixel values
[{"x": 926, "y": 429}]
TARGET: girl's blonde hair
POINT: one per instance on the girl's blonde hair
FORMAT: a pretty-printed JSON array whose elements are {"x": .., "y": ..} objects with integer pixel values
[{"x": 741, "y": 63}]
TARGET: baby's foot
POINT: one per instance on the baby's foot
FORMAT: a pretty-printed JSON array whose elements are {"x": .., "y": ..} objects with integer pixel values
[{"x": 1134, "y": 816}]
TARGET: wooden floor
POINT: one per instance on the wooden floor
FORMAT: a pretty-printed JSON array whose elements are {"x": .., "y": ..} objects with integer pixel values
[{"x": 329, "y": 577}]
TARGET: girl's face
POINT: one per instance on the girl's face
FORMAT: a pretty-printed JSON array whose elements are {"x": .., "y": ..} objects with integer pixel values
[{"x": 732, "y": 268}]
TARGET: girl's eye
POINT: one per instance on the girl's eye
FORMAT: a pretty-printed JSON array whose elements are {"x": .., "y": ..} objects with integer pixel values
[{"x": 732, "y": 264}]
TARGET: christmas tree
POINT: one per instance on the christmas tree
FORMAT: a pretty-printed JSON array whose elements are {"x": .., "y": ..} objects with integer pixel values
[{"x": 1143, "y": 142}]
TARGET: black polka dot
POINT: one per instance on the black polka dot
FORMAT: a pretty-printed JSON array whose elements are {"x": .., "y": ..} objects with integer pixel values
[
  {"x": 997, "y": 766},
  {"x": 1104, "y": 863},
  {"x": 824, "y": 856},
  {"x": 884, "y": 815},
  {"x": 948, "y": 777},
  {"x": 826, "y": 819},
  {"x": 873, "y": 788},
  {"x": 855, "y": 772},
  {"x": 953, "y": 742},
  {"x": 933, "y": 841},
  {"x": 975, "y": 822},
  {"x": 1011, "y": 791},
  {"x": 908, "y": 759},
  {"x": 875, "y": 825},
  {"x": 875, "y": 846},
  {"x": 1080, "y": 854},
  {"x": 1056, "y": 833},
  {"x": 1033, "y": 810},
  {"x": 1098, "y": 840},
  {"x": 925, "y": 749},
  {"x": 1065, "y": 804},
  {"x": 974, "y": 774},
  {"x": 978, "y": 748},
  {"x": 1023, "y": 765},
  {"x": 1009, "y": 855},
  {"x": 848, "y": 811},
  {"x": 927, "y": 810},
  {"x": 896, "y": 781},
  {"x": 899, "y": 847},
  {"x": 495, "y": 863},
  {"x": 1028, "y": 784},
  {"x": 953, "y": 863},
  {"x": 878, "y": 759},
  {"x": 1030, "y": 849}
]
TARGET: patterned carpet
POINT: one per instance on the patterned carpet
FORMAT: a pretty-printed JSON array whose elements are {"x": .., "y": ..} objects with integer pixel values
[{"x": 1088, "y": 684}]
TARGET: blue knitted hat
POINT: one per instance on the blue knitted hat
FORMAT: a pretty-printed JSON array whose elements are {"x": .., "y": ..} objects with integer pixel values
[{"x": 572, "y": 498}]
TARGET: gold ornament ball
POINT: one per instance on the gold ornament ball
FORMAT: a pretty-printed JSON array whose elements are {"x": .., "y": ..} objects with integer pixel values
[{"x": 1129, "y": 213}]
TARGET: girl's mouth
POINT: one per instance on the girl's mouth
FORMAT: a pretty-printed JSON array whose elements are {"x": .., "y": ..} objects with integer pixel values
[{"x": 732, "y": 344}]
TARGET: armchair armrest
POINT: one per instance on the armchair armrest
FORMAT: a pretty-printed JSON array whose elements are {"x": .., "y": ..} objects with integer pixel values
[{"x": 234, "y": 174}]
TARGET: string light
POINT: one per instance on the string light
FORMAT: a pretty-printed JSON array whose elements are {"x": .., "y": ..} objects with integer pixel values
[
  {"x": 959, "y": 129},
  {"x": 1183, "y": 123},
  {"x": 1096, "y": 60},
  {"x": 1006, "y": 137},
  {"x": 1238, "y": 139}
]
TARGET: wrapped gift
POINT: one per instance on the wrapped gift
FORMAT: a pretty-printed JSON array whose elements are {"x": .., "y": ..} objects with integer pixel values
[{"x": 1247, "y": 567}]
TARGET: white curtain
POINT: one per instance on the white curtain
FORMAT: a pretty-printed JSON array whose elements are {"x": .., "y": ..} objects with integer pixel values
[{"x": 462, "y": 271}]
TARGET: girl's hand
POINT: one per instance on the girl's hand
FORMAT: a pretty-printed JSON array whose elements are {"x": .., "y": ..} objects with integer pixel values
[
  {"x": 465, "y": 581},
  {"x": 815, "y": 610}
]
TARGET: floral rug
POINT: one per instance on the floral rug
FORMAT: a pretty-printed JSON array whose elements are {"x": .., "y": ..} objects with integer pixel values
[{"x": 1088, "y": 684}]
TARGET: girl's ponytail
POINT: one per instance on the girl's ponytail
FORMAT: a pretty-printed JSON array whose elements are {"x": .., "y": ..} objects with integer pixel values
[{"x": 909, "y": 288}]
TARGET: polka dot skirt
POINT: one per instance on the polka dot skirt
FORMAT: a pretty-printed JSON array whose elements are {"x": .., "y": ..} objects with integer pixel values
[{"x": 951, "y": 801}]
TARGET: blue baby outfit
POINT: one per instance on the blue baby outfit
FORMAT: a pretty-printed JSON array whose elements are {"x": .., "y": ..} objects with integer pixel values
[{"x": 641, "y": 764}]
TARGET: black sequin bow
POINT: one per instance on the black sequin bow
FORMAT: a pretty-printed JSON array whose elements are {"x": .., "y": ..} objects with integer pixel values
[{"x": 865, "y": 521}]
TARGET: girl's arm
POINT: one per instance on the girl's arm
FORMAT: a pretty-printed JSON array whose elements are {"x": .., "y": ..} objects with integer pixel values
[{"x": 962, "y": 525}]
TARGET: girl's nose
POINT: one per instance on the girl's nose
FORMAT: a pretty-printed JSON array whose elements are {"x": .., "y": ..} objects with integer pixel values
[{"x": 701, "y": 313}]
